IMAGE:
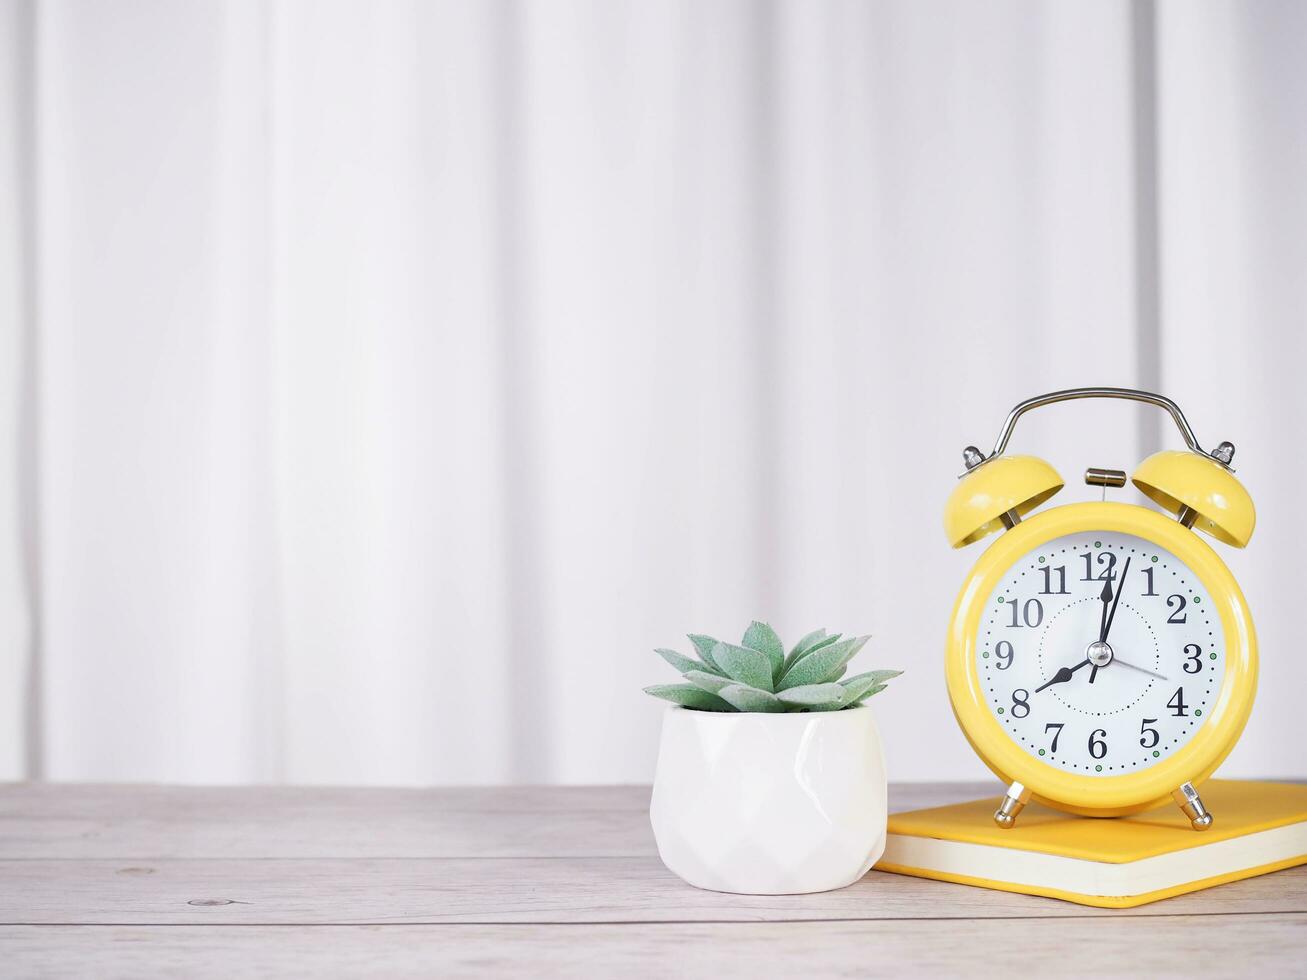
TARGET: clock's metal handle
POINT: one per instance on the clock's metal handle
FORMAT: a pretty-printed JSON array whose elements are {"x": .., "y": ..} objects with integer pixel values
[{"x": 1221, "y": 454}]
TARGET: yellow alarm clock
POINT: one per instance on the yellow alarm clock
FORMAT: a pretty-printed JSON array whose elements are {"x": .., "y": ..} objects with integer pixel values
[{"x": 1101, "y": 658}]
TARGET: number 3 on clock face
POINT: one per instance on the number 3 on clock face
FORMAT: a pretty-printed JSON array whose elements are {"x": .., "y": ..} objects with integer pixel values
[{"x": 1100, "y": 653}]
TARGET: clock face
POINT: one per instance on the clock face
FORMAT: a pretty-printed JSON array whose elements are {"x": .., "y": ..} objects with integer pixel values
[{"x": 1100, "y": 653}]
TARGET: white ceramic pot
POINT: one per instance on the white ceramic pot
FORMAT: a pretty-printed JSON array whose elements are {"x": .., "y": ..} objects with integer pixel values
[{"x": 770, "y": 804}]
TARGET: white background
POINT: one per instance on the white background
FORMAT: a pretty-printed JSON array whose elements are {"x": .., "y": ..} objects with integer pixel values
[{"x": 381, "y": 382}]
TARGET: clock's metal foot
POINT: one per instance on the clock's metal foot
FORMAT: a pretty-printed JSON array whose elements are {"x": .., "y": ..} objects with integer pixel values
[
  {"x": 1013, "y": 803},
  {"x": 1192, "y": 804}
]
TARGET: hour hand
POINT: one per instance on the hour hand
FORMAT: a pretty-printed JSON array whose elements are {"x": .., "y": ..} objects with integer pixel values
[{"x": 1062, "y": 676}]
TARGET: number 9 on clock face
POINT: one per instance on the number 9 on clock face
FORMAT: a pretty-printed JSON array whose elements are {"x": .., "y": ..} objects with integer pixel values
[{"x": 1100, "y": 653}]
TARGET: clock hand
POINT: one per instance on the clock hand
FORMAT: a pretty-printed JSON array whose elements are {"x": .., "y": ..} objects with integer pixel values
[
  {"x": 1106, "y": 597},
  {"x": 1120, "y": 587},
  {"x": 1062, "y": 676},
  {"x": 1142, "y": 670},
  {"x": 1111, "y": 616}
]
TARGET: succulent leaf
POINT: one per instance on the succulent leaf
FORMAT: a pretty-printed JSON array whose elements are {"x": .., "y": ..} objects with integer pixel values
[
  {"x": 818, "y": 666},
  {"x": 689, "y": 696},
  {"x": 865, "y": 685},
  {"x": 712, "y": 683},
  {"x": 684, "y": 664},
  {"x": 875, "y": 690},
  {"x": 703, "y": 647},
  {"x": 859, "y": 686},
  {"x": 877, "y": 676},
  {"x": 804, "y": 643},
  {"x": 820, "y": 644},
  {"x": 828, "y": 696},
  {"x": 761, "y": 637},
  {"x": 833, "y": 706},
  {"x": 744, "y": 665},
  {"x": 747, "y": 698},
  {"x": 802, "y": 647}
]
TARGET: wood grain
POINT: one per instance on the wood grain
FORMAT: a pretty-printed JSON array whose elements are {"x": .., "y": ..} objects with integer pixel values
[
  {"x": 138, "y": 880},
  {"x": 1158, "y": 946},
  {"x": 470, "y": 890},
  {"x": 156, "y": 822}
]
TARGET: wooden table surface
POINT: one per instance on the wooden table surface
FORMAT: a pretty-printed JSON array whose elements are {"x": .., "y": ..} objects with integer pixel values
[{"x": 148, "y": 880}]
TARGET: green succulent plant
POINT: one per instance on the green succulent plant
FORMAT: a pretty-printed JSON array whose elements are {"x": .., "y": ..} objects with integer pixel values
[{"x": 758, "y": 675}]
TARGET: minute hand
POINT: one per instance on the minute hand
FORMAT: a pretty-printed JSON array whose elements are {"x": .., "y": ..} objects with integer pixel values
[
  {"x": 1106, "y": 598},
  {"x": 1120, "y": 587}
]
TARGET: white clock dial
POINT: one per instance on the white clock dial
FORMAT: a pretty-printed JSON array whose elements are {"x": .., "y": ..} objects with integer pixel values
[{"x": 1100, "y": 653}]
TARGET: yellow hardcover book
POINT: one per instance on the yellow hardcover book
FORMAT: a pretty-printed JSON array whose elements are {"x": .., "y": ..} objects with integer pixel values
[{"x": 1111, "y": 863}]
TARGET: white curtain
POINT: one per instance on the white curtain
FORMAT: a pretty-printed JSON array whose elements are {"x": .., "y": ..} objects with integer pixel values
[{"x": 382, "y": 381}]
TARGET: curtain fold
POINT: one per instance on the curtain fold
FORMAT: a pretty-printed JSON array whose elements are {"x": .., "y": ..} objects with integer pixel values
[
  {"x": 19, "y": 676},
  {"x": 388, "y": 379},
  {"x": 1232, "y": 145}
]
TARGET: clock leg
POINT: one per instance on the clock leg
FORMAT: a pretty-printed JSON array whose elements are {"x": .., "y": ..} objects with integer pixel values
[
  {"x": 1013, "y": 803},
  {"x": 1192, "y": 805}
]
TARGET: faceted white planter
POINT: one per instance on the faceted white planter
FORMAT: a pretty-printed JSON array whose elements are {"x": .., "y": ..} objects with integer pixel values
[{"x": 770, "y": 804}]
